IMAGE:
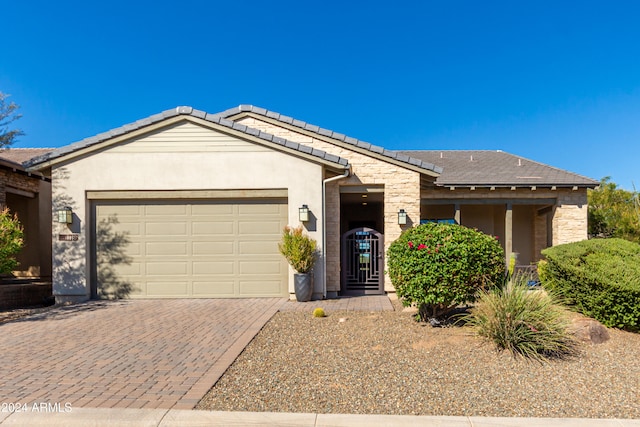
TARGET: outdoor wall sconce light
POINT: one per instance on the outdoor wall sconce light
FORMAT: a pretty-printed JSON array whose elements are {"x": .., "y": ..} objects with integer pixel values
[
  {"x": 65, "y": 215},
  {"x": 402, "y": 217},
  {"x": 303, "y": 213}
]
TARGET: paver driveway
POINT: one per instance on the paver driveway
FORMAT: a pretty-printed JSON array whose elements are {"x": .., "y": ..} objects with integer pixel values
[{"x": 135, "y": 354}]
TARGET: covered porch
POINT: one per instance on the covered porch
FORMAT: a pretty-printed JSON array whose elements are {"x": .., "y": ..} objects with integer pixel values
[{"x": 522, "y": 225}]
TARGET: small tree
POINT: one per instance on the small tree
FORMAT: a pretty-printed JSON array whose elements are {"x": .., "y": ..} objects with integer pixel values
[
  {"x": 11, "y": 241},
  {"x": 7, "y": 115},
  {"x": 438, "y": 266},
  {"x": 613, "y": 212}
]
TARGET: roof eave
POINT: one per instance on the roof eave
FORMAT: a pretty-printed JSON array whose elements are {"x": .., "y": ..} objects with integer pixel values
[
  {"x": 169, "y": 117},
  {"x": 517, "y": 185}
]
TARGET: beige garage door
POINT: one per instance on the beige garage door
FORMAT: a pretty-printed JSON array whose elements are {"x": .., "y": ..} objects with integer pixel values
[{"x": 189, "y": 249}]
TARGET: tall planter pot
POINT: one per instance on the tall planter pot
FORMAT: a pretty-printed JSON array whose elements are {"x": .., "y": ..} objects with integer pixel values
[{"x": 303, "y": 286}]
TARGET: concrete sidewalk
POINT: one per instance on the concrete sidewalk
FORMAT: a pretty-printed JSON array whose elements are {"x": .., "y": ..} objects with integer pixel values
[{"x": 176, "y": 417}]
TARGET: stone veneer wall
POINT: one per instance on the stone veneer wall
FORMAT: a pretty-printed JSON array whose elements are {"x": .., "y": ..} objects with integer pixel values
[
  {"x": 21, "y": 182},
  {"x": 24, "y": 295},
  {"x": 401, "y": 191},
  {"x": 570, "y": 217}
]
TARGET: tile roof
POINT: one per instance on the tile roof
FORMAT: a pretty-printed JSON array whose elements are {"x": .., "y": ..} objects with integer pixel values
[
  {"x": 21, "y": 155},
  {"x": 185, "y": 111},
  {"x": 496, "y": 168},
  {"x": 462, "y": 168},
  {"x": 416, "y": 162},
  {"x": 13, "y": 159}
]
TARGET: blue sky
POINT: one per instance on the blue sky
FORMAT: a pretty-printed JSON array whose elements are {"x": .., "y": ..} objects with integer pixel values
[{"x": 554, "y": 81}]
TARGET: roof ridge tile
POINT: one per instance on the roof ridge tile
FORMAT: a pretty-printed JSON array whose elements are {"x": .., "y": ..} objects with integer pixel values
[{"x": 329, "y": 133}]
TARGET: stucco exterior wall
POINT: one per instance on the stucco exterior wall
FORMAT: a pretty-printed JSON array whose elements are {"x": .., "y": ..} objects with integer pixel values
[
  {"x": 185, "y": 156},
  {"x": 542, "y": 233},
  {"x": 401, "y": 191}
]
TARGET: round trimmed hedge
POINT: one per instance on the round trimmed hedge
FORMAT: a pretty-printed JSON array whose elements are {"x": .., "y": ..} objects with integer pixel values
[{"x": 438, "y": 266}]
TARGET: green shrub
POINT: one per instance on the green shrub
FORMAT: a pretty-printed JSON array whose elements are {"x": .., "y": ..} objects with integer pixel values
[
  {"x": 11, "y": 241},
  {"x": 298, "y": 248},
  {"x": 600, "y": 278},
  {"x": 438, "y": 266},
  {"x": 528, "y": 323}
]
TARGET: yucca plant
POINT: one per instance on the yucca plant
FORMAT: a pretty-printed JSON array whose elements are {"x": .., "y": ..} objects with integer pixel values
[{"x": 528, "y": 323}]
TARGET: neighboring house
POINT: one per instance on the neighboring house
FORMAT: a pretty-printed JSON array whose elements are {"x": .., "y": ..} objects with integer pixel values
[
  {"x": 190, "y": 204},
  {"x": 28, "y": 194}
]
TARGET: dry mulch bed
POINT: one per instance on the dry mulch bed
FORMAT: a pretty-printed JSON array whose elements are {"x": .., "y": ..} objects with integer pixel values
[{"x": 387, "y": 363}]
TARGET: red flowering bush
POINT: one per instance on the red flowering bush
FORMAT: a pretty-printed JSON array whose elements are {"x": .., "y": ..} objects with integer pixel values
[{"x": 438, "y": 266}]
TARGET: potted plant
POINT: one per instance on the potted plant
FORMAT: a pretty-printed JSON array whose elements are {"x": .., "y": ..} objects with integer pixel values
[{"x": 300, "y": 251}]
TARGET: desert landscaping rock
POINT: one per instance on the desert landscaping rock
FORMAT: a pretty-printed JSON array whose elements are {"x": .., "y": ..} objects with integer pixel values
[
  {"x": 386, "y": 363},
  {"x": 591, "y": 331}
]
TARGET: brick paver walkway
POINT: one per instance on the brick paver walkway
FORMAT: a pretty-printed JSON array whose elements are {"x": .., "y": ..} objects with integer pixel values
[
  {"x": 363, "y": 303},
  {"x": 134, "y": 354}
]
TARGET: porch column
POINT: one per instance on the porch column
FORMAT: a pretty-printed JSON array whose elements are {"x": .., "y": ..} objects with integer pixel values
[
  {"x": 456, "y": 214},
  {"x": 508, "y": 232}
]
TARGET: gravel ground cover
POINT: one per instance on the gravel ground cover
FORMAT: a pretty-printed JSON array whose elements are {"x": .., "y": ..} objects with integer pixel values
[
  {"x": 386, "y": 363},
  {"x": 18, "y": 313}
]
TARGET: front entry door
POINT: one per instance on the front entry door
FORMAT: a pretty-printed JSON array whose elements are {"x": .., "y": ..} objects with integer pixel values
[{"x": 362, "y": 262}]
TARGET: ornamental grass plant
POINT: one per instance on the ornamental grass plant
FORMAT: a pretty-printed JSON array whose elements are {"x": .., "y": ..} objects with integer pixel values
[{"x": 526, "y": 322}]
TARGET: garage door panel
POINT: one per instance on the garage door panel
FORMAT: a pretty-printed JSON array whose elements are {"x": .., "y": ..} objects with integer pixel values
[
  {"x": 258, "y": 209},
  {"x": 215, "y": 209},
  {"x": 120, "y": 210},
  {"x": 166, "y": 248},
  {"x": 256, "y": 288},
  {"x": 212, "y": 248},
  {"x": 131, "y": 228},
  {"x": 133, "y": 249},
  {"x": 135, "y": 269},
  {"x": 257, "y": 248},
  {"x": 194, "y": 249},
  {"x": 260, "y": 227},
  {"x": 214, "y": 267},
  {"x": 165, "y": 209},
  {"x": 166, "y": 229},
  {"x": 208, "y": 228},
  {"x": 214, "y": 288},
  {"x": 166, "y": 268},
  {"x": 259, "y": 267},
  {"x": 173, "y": 288},
  {"x": 122, "y": 224}
]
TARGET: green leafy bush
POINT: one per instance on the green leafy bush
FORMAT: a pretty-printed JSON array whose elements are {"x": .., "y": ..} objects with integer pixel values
[
  {"x": 438, "y": 266},
  {"x": 11, "y": 241},
  {"x": 298, "y": 248},
  {"x": 599, "y": 277},
  {"x": 528, "y": 323}
]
